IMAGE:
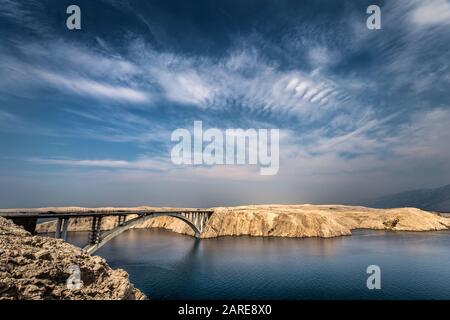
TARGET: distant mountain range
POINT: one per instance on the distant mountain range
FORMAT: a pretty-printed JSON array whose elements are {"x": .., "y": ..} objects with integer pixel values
[{"x": 435, "y": 199}]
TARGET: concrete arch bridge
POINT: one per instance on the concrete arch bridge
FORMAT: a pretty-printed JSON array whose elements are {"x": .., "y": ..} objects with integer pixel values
[{"x": 196, "y": 219}]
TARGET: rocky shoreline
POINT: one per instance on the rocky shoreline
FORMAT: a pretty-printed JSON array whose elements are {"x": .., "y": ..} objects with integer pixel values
[{"x": 36, "y": 268}]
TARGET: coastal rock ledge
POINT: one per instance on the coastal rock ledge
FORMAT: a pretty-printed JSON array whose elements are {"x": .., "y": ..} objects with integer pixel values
[{"x": 33, "y": 267}]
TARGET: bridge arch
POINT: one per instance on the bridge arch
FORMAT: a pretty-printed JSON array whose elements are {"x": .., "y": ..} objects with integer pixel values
[{"x": 110, "y": 234}]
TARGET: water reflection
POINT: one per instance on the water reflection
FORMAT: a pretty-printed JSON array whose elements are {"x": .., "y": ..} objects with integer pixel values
[{"x": 166, "y": 265}]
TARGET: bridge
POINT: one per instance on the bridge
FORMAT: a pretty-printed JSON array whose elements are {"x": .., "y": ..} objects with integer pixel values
[{"x": 196, "y": 219}]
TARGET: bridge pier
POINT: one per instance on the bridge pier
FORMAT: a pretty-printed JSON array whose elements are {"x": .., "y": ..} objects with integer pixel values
[
  {"x": 61, "y": 228},
  {"x": 199, "y": 219},
  {"x": 203, "y": 220},
  {"x": 121, "y": 220},
  {"x": 58, "y": 228},
  {"x": 64, "y": 229},
  {"x": 94, "y": 237}
]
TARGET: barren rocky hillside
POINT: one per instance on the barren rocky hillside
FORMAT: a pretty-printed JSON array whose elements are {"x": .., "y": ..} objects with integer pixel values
[{"x": 33, "y": 267}]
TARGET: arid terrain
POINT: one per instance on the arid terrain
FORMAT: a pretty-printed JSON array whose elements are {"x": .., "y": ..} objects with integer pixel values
[
  {"x": 33, "y": 267},
  {"x": 283, "y": 220}
]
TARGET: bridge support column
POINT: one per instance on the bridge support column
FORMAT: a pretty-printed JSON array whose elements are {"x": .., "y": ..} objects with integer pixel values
[
  {"x": 197, "y": 220},
  {"x": 94, "y": 237},
  {"x": 58, "y": 228},
  {"x": 121, "y": 220},
  {"x": 61, "y": 228},
  {"x": 64, "y": 228}
]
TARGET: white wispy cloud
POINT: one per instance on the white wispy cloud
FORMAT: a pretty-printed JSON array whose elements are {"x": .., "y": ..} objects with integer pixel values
[
  {"x": 431, "y": 12},
  {"x": 10, "y": 122},
  {"x": 141, "y": 163},
  {"x": 421, "y": 140},
  {"x": 94, "y": 88},
  {"x": 12, "y": 9},
  {"x": 242, "y": 77},
  {"x": 185, "y": 88},
  {"x": 7, "y": 117}
]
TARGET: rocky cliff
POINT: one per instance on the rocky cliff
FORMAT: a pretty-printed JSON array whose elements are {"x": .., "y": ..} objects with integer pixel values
[
  {"x": 292, "y": 221},
  {"x": 33, "y": 267}
]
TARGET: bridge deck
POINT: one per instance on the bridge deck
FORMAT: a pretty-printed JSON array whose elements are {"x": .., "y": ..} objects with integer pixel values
[{"x": 93, "y": 213}]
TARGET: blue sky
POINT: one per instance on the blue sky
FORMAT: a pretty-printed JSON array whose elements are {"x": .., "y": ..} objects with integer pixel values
[{"x": 86, "y": 115}]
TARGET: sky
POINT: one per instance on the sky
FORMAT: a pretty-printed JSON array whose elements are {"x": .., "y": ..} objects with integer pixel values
[{"x": 86, "y": 115}]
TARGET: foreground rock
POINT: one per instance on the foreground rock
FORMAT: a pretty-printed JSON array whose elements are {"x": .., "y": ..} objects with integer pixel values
[
  {"x": 289, "y": 221},
  {"x": 38, "y": 268}
]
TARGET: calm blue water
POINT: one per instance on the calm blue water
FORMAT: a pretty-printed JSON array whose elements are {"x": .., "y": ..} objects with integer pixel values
[{"x": 166, "y": 265}]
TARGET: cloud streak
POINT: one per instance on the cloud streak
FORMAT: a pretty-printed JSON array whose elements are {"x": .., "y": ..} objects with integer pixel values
[
  {"x": 142, "y": 163},
  {"x": 432, "y": 12},
  {"x": 94, "y": 88}
]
